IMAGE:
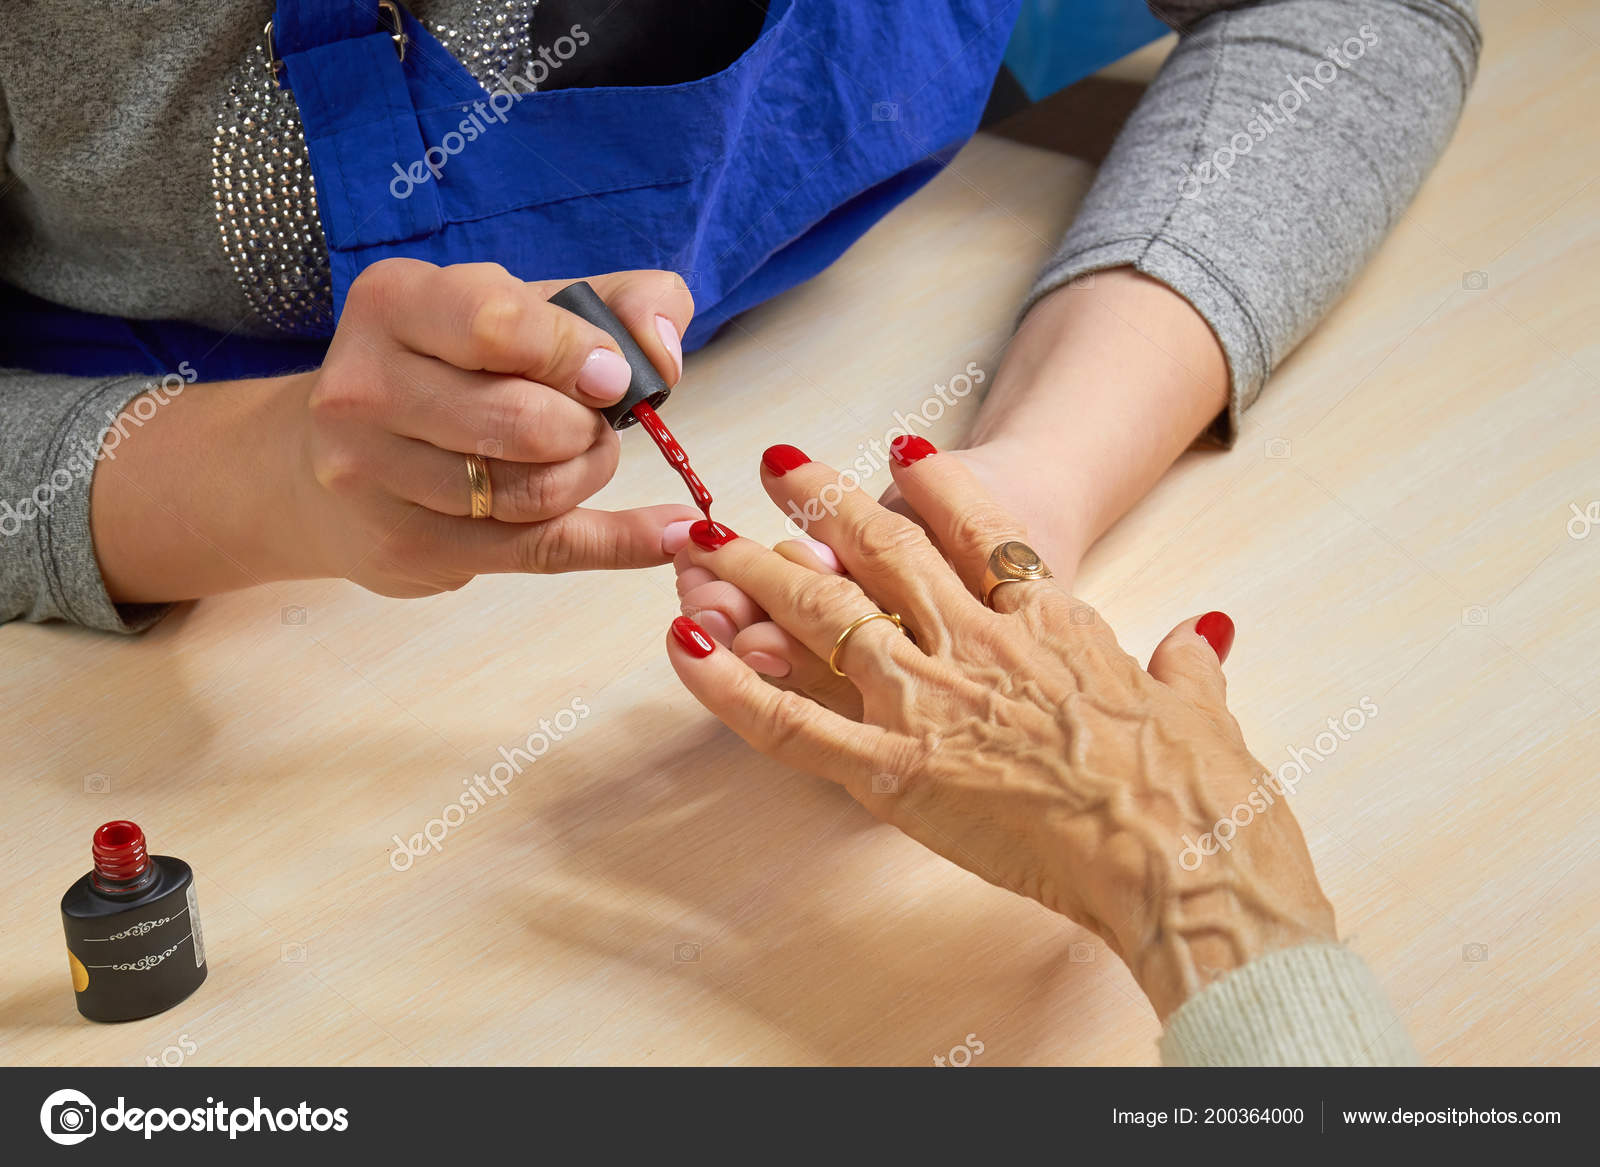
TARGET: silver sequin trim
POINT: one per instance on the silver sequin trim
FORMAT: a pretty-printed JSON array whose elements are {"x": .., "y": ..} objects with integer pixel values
[
  {"x": 262, "y": 189},
  {"x": 266, "y": 204},
  {"x": 498, "y": 39}
]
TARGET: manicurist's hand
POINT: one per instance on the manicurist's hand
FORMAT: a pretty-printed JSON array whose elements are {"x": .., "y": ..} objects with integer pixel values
[
  {"x": 360, "y": 469},
  {"x": 431, "y": 364},
  {"x": 1020, "y": 742}
]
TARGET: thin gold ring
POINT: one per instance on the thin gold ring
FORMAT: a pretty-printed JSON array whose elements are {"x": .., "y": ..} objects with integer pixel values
[
  {"x": 838, "y": 645},
  {"x": 478, "y": 483}
]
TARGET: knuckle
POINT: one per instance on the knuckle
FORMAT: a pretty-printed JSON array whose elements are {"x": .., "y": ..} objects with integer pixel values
[
  {"x": 549, "y": 548},
  {"x": 338, "y": 471},
  {"x": 375, "y": 289},
  {"x": 334, "y": 397},
  {"x": 567, "y": 345},
  {"x": 984, "y": 525},
  {"x": 495, "y": 321},
  {"x": 884, "y": 539},
  {"x": 789, "y": 720},
  {"x": 822, "y": 599},
  {"x": 518, "y": 420},
  {"x": 534, "y": 493}
]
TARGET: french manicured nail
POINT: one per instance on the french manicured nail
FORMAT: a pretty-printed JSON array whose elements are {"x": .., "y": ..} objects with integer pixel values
[
  {"x": 605, "y": 376},
  {"x": 779, "y": 460},
  {"x": 710, "y": 535},
  {"x": 716, "y": 625},
  {"x": 668, "y": 332},
  {"x": 692, "y": 637},
  {"x": 675, "y": 536},
  {"x": 1217, "y": 629},
  {"x": 825, "y": 553},
  {"x": 908, "y": 449},
  {"x": 767, "y": 664}
]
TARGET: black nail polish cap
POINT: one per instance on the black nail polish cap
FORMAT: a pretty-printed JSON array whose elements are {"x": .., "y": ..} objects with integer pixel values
[{"x": 647, "y": 384}]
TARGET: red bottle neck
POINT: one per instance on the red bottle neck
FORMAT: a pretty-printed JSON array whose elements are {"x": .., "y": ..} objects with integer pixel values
[{"x": 121, "y": 862}]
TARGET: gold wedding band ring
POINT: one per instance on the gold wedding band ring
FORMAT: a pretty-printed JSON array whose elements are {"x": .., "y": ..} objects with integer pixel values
[
  {"x": 478, "y": 482},
  {"x": 1012, "y": 562},
  {"x": 844, "y": 637}
]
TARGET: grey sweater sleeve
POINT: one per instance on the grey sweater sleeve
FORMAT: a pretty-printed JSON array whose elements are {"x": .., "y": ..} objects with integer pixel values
[
  {"x": 51, "y": 431},
  {"x": 56, "y": 431},
  {"x": 1275, "y": 149}
]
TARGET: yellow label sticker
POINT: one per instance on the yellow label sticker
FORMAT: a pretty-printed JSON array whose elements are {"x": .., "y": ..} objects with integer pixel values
[{"x": 80, "y": 975}]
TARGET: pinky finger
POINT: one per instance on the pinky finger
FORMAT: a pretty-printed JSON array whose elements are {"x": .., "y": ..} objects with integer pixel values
[{"x": 781, "y": 724}]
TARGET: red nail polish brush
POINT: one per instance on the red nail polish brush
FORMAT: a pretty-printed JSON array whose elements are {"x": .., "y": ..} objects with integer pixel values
[{"x": 645, "y": 393}]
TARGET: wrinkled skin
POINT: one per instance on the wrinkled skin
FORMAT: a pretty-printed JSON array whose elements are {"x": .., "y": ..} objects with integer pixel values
[{"x": 1021, "y": 743}]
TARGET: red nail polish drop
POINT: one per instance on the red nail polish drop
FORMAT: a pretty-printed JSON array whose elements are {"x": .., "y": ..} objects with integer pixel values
[{"x": 674, "y": 453}]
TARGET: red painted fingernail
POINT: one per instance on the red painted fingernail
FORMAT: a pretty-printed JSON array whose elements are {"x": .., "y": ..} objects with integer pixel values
[
  {"x": 710, "y": 535},
  {"x": 908, "y": 448},
  {"x": 1217, "y": 629},
  {"x": 779, "y": 460},
  {"x": 693, "y": 638}
]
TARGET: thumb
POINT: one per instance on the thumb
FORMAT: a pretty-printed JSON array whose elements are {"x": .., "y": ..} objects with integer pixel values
[
  {"x": 1190, "y": 661},
  {"x": 591, "y": 540}
]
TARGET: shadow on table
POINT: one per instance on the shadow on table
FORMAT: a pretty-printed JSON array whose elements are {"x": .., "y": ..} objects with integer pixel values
[{"x": 743, "y": 884}]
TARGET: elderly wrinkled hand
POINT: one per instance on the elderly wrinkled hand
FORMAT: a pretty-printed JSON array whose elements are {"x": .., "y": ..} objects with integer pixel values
[{"x": 1019, "y": 741}]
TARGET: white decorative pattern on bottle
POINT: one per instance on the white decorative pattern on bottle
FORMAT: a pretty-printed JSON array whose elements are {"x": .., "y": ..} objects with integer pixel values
[
  {"x": 138, "y": 929},
  {"x": 144, "y": 963}
]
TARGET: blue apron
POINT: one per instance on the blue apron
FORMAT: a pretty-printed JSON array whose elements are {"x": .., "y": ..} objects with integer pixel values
[{"x": 745, "y": 182}]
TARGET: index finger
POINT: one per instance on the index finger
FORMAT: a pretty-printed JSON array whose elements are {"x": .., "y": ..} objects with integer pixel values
[
  {"x": 479, "y": 317},
  {"x": 781, "y": 723}
]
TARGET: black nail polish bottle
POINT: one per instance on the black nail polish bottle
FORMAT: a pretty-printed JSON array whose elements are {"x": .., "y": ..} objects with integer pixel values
[{"x": 133, "y": 929}]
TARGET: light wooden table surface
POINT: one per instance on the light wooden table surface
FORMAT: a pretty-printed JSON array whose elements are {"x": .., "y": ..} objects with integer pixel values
[{"x": 1393, "y": 525}]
